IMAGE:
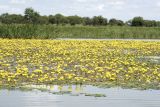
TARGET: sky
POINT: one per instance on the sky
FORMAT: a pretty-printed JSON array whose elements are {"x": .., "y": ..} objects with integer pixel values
[{"x": 120, "y": 9}]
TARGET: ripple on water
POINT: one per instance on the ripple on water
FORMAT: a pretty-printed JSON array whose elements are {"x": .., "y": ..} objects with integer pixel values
[{"x": 116, "y": 97}]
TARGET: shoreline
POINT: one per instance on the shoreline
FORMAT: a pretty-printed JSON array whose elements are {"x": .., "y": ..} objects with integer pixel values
[{"x": 107, "y": 39}]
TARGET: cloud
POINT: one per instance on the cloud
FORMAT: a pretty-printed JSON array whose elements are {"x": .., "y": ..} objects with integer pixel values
[
  {"x": 158, "y": 4},
  {"x": 100, "y": 7},
  {"x": 86, "y": 0},
  {"x": 8, "y": 9},
  {"x": 20, "y": 1},
  {"x": 4, "y": 7},
  {"x": 16, "y": 10},
  {"x": 81, "y": 0},
  {"x": 121, "y": 9},
  {"x": 117, "y": 3}
]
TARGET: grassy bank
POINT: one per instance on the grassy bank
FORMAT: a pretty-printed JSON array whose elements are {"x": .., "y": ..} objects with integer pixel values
[{"x": 51, "y": 31}]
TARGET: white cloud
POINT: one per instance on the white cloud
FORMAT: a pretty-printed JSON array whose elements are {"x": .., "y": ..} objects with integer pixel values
[
  {"x": 16, "y": 10},
  {"x": 4, "y": 7},
  {"x": 81, "y": 0},
  {"x": 158, "y": 4},
  {"x": 9, "y": 9},
  {"x": 86, "y": 0},
  {"x": 117, "y": 3},
  {"x": 100, "y": 7},
  {"x": 20, "y": 1},
  {"x": 121, "y": 9}
]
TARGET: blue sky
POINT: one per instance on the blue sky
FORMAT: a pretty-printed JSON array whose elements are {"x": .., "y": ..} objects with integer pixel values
[{"x": 121, "y": 9}]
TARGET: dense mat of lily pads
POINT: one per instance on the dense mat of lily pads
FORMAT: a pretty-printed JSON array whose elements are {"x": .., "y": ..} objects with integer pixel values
[{"x": 134, "y": 63}]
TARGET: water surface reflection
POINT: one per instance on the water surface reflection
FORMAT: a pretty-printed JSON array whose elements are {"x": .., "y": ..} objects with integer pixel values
[{"x": 116, "y": 97}]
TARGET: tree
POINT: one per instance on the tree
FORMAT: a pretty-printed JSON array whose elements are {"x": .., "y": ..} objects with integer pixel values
[
  {"x": 120, "y": 23},
  {"x": 99, "y": 20},
  {"x": 112, "y": 22},
  {"x": 52, "y": 19},
  {"x": 31, "y": 16},
  {"x": 115, "y": 22},
  {"x": 58, "y": 19},
  {"x": 43, "y": 20},
  {"x": 138, "y": 21},
  {"x": 87, "y": 21},
  {"x": 4, "y": 18},
  {"x": 73, "y": 20},
  {"x": 158, "y": 23},
  {"x": 129, "y": 22},
  {"x": 150, "y": 23},
  {"x": 12, "y": 18}
]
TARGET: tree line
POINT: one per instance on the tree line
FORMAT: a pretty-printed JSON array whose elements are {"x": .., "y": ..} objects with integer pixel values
[{"x": 33, "y": 17}]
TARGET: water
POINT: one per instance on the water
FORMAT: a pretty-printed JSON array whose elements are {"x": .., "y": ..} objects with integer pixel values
[{"x": 116, "y": 97}]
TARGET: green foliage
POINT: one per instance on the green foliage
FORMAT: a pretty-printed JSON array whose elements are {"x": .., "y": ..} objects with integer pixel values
[
  {"x": 115, "y": 22},
  {"x": 73, "y": 20},
  {"x": 99, "y": 20},
  {"x": 18, "y": 31},
  {"x": 60, "y": 19},
  {"x": 11, "y": 18},
  {"x": 43, "y": 20},
  {"x": 150, "y": 23},
  {"x": 137, "y": 21},
  {"x": 51, "y": 31},
  {"x": 87, "y": 21},
  {"x": 31, "y": 16}
]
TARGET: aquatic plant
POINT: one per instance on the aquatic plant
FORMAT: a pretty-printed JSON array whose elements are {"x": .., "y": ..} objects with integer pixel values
[{"x": 79, "y": 62}]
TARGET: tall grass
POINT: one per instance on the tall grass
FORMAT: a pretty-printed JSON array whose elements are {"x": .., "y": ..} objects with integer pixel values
[{"x": 51, "y": 31}]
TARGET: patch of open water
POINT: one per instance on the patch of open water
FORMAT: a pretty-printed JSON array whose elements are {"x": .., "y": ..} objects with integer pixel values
[{"x": 116, "y": 97}]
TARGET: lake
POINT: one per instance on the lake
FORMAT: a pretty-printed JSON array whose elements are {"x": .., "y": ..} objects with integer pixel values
[{"x": 115, "y": 97}]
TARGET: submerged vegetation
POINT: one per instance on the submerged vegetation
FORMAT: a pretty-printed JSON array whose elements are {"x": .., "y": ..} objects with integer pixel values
[
  {"x": 72, "y": 90},
  {"x": 118, "y": 63}
]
